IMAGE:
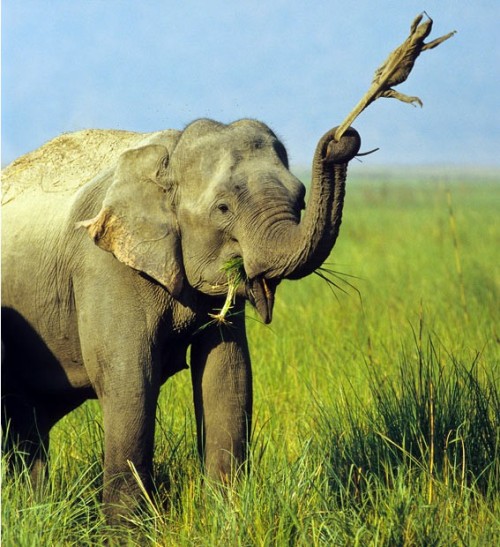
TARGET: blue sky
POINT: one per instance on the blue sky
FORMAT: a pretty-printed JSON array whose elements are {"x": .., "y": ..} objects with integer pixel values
[{"x": 298, "y": 66}]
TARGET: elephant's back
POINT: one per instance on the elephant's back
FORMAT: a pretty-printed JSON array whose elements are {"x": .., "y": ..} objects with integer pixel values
[{"x": 67, "y": 162}]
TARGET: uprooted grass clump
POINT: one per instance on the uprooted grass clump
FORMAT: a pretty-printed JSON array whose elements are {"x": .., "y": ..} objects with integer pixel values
[{"x": 235, "y": 274}]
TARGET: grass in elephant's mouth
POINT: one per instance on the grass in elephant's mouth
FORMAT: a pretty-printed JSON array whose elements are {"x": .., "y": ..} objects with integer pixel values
[{"x": 235, "y": 274}]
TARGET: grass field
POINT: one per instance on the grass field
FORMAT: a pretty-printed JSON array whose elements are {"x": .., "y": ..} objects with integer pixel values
[{"x": 377, "y": 409}]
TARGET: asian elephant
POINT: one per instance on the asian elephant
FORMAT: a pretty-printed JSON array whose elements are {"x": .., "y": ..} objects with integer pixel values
[{"x": 113, "y": 253}]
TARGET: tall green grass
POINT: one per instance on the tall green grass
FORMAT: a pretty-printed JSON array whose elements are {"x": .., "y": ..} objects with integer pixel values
[{"x": 376, "y": 409}]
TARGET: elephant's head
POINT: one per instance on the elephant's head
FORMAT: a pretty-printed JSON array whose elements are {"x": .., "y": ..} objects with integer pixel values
[{"x": 222, "y": 192}]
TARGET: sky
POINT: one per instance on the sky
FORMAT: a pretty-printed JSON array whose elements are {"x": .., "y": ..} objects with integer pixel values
[{"x": 299, "y": 66}]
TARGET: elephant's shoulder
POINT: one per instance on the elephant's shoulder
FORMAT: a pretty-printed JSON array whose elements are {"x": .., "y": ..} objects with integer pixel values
[{"x": 67, "y": 162}]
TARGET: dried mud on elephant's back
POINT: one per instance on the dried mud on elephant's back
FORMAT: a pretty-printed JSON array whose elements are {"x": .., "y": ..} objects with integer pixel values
[{"x": 64, "y": 162}]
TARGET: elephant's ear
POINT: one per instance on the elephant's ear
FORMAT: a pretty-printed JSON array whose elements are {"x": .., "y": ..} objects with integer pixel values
[{"x": 137, "y": 222}]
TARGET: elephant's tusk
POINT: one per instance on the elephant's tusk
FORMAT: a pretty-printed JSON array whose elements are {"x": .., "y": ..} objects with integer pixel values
[{"x": 267, "y": 291}]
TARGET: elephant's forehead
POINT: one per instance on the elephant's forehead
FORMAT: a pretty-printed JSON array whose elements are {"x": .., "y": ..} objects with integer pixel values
[
  {"x": 242, "y": 139},
  {"x": 232, "y": 167}
]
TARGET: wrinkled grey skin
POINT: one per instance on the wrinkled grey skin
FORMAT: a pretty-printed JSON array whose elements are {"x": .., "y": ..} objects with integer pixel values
[{"x": 113, "y": 248}]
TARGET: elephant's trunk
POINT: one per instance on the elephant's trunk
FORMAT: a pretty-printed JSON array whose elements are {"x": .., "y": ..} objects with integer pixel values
[{"x": 301, "y": 248}]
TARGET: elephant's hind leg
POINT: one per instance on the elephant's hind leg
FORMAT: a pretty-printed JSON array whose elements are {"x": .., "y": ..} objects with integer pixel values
[{"x": 25, "y": 437}]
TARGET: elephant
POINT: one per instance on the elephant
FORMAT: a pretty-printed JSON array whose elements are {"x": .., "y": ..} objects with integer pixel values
[{"x": 113, "y": 252}]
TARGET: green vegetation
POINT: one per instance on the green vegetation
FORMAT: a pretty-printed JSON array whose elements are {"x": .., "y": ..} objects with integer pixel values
[
  {"x": 377, "y": 408},
  {"x": 235, "y": 275}
]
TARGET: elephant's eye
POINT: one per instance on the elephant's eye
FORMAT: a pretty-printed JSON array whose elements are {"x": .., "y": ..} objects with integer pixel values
[{"x": 223, "y": 208}]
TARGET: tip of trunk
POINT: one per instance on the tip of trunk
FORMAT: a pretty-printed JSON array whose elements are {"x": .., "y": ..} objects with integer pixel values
[{"x": 341, "y": 151}]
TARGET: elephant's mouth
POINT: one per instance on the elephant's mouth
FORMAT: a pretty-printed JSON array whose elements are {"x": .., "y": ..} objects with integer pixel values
[{"x": 260, "y": 292}]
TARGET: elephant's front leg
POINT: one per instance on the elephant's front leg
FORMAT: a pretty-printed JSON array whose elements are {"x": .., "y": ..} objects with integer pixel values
[
  {"x": 129, "y": 425},
  {"x": 222, "y": 386},
  {"x": 127, "y": 388}
]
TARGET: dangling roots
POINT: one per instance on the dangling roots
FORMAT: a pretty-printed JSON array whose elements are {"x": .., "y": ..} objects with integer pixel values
[{"x": 396, "y": 69}]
